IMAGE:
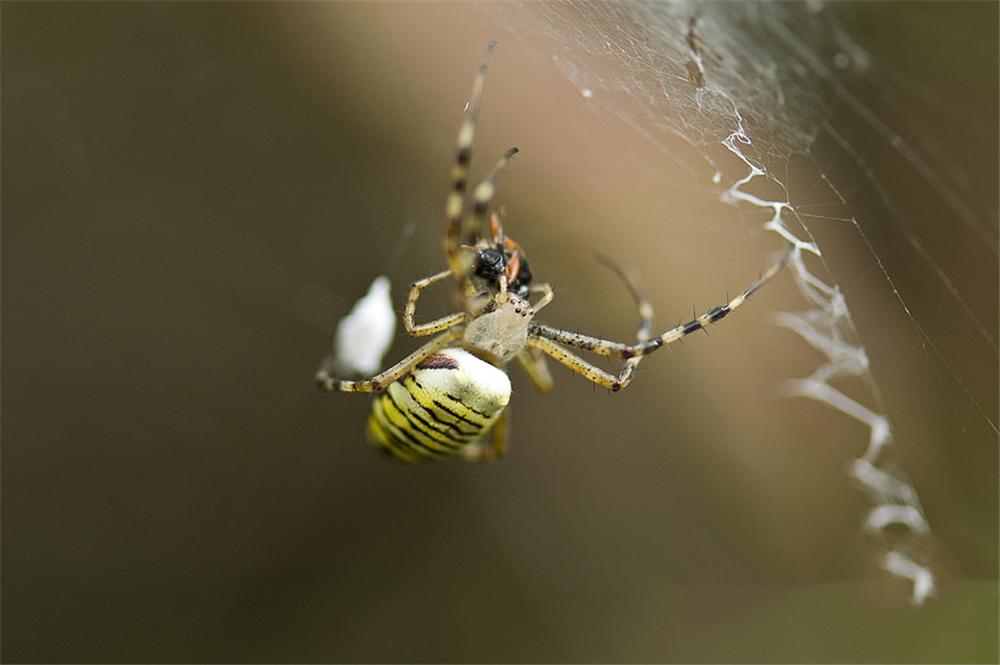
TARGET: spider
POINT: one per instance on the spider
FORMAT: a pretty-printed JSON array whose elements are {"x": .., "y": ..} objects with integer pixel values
[{"x": 449, "y": 398}]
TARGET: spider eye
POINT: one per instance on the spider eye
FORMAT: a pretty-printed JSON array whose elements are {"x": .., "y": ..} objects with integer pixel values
[{"x": 489, "y": 264}]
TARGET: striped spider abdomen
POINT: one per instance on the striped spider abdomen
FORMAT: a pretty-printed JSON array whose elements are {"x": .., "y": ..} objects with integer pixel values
[{"x": 445, "y": 407}]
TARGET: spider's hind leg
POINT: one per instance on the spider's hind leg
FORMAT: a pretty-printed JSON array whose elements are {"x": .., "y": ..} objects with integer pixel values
[{"x": 325, "y": 381}]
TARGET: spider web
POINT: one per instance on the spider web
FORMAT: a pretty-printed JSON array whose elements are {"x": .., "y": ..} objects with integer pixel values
[{"x": 795, "y": 115}]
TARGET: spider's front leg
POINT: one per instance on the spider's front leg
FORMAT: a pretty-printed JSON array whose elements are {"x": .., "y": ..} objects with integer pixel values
[
  {"x": 547, "y": 296},
  {"x": 483, "y": 195},
  {"x": 381, "y": 381},
  {"x": 460, "y": 257},
  {"x": 437, "y": 325},
  {"x": 459, "y": 261}
]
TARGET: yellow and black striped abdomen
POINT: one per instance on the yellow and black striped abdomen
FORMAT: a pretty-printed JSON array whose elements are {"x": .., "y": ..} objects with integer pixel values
[{"x": 450, "y": 401}]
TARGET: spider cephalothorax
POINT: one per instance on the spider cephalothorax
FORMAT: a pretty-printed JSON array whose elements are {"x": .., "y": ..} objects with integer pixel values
[
  {"x": 501, "y": 313},
  {"x": 449, "y": 397}
]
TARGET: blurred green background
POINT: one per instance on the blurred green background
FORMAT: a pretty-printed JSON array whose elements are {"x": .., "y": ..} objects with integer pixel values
[{"x": 194, "y": 193}]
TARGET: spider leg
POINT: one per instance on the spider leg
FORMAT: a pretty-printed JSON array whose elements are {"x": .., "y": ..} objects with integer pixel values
[
  {"x": 485, "y": 191},
  {"x": 437, "y": 325},
  {"x": 497, "y": 446},
  {"x": 547, "y": 295},
  {"x": 575, "y": 363},
  {"x": 460, "y": 262},
  {"x": 635, "y": 288},
  {"x": 533, "y": 363},
  {"x": 532, "y": 360},
  {"x": 382, "y": 381},
  {"x": 643, "y": 304},
  {"x": 539, "y": 332}
]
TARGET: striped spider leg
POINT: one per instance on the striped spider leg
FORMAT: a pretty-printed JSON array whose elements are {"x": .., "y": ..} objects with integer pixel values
[
  {"x": 500, "y": 244},
  {"x": 549, "y": 340},
  {"x": 538, "y": 347},
  {"x": 462, "y": 228},
  {"x": 533, "y": 363},
  {"x": 532, "y": 358},
  {"x": 405, "y": 366},
  {"x": 483, "y": 196},
  {"x": 643, "y": 304},
  {"x": 458, "y": 231},
  {"x": 450, "y": 320}
]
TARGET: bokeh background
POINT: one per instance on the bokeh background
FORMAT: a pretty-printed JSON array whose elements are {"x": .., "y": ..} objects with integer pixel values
[{"x": 194, "y": 193}]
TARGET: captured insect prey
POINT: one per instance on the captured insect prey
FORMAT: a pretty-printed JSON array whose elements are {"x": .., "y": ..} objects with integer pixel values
[{"x": 449, "y": 398}]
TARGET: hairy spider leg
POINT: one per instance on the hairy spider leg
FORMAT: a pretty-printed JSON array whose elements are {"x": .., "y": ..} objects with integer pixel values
[
  {"x": 437, "y": 325},
  {"x": 381, "y": 381},
  {"x": 547, "y": 296},
  {"x": 484, "y": 195},
  {"x": 574, "y": 362},
  {"x": 643, "y": 304},
  {"x": 537, "y": 347},
  {"x": 460, "y": 262},
  {"x": 481, "y": 204},
  {"x": 533, "y": 363},
  {"x": 532, "y": 359},
  {"x": 545, "y": 337}
]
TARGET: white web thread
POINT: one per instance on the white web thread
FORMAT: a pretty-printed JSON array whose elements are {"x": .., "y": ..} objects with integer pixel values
[{"x": 895, "y": 500}]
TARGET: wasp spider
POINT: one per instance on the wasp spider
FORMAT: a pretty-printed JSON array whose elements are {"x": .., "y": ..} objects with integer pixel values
[{"x": 449, "y": 397}]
